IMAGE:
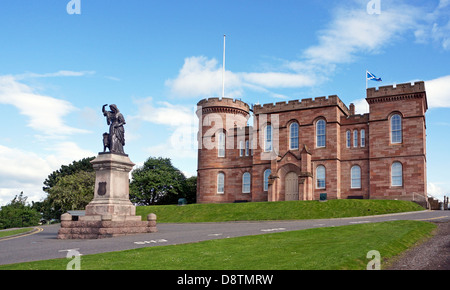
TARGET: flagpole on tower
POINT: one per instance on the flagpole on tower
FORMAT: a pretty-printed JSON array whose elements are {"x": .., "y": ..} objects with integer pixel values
[
  {"x": 366, "y": 79},
  {"x": 223, "y": 69}
]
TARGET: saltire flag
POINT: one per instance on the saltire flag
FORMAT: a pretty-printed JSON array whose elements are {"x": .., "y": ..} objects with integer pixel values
[{"x": 371, "y": 76}]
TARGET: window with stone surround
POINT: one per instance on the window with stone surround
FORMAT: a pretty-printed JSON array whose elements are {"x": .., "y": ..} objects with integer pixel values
[
  {"x": 320, "y": 133},
  {"x": 220, "y": 183},
  {"x": 355, "y": 176},
  {"x": 320, "y": 177},
  {"x": 267, "y": 173},
  {"x": 355, "y": 138},
  {"x": 396, "y": 129},
  {"x": 293, "y": 136},
  {"x": 363, "y": 138},
  {"x": 221, "y": 145},
  {"x": 397, "y": 174},
  {"x": 268, "y": 138},
  {"x": 246, "y": 179},
  {"x": 349, "y": 138}
]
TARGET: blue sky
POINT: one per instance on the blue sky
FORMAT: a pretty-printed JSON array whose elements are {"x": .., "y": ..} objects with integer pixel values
[{"x": 157, "y": 59}]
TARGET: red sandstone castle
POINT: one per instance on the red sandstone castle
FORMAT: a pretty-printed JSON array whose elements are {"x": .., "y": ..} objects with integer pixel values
[{"x": 298, "y": 150}]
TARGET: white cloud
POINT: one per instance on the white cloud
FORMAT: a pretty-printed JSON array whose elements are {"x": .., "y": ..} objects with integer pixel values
[
  {"x": 435, "y": 26},
  {"x": 353, "y": 32},
  {"x": 202, "y": 77},
  {"x": 438, "y": 92},
  {"x": 278, "y": 80},
  {"x": 61, "y": 73},
  {"x": 181, "y": 120},
  {"x": 436, "y": 190},
  {"x": 26, "y": 171},
  {"x": 45, "y": 113}
]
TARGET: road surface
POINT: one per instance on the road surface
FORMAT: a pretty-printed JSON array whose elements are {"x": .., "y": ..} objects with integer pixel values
[{"x": 43, "y": 244}]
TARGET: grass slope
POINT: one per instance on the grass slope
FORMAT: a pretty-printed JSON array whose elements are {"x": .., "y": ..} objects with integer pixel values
[
  {"x": 343, "y": 247},
  {"x": 283, "y": 210}
]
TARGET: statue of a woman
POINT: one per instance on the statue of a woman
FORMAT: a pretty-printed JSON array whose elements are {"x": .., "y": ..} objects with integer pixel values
[{"x": 115, "y": 120}]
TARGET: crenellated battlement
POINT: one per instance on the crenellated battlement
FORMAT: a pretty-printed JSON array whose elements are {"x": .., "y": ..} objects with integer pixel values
[
  {"x": 223, "y": 105},
  {"x": 397, "y": 92},
  {"x": 394, "y": 90},
  {"x": 301, "y": 104}
]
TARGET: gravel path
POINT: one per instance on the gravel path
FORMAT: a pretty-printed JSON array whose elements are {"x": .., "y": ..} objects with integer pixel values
[{"x": 434, "y": 254}]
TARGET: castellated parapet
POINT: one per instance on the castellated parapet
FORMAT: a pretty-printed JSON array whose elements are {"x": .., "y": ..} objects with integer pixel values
[
  {"x": 223, "y": 105},
  {"x": 398, "y": 92},
  {"x": 301, "y": 104}
]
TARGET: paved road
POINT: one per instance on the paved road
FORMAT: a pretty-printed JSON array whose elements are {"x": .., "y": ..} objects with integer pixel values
[{"x": 43, "y": 244}]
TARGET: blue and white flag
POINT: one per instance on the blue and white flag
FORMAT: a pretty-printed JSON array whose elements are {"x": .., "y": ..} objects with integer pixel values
[{"x": 371, "y": 76}]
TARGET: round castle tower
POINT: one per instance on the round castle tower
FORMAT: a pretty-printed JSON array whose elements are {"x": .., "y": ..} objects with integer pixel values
[{"x": 222, "y": 124}]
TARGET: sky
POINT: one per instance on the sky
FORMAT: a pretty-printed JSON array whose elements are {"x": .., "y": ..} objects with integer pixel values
[{"x": 62, "y": 60}]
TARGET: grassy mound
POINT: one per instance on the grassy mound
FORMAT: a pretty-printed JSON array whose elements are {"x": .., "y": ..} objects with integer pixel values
[{"x": 283, "y": 210}]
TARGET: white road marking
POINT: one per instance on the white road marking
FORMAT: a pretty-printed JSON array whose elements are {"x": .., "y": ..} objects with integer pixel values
[
  {"x": 151, "y": 242},
  {"x": 273, "y": 230},
  {"x": 214, "y": 235},
  {"x": 360, "y": 222}
]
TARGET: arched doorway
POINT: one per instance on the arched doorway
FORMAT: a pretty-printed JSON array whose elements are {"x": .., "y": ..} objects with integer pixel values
[{"x": 291, "y": 186}]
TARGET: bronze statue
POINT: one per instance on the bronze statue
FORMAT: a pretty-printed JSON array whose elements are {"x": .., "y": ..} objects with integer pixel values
[{"x": 115, "y": 140}]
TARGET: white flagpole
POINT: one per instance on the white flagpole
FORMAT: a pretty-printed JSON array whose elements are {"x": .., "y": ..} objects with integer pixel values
[
  {"x": 223, "y": 69},
  {"x": 366, "y": 79}
]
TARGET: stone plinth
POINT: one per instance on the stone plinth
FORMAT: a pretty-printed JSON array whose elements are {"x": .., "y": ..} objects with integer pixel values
[
  {"x": 104, "y": 228},
  {"x": 111, "y": 212}
]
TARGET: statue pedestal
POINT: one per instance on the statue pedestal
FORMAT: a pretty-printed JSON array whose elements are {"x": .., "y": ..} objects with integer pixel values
[{"x": 111, "y": 212}]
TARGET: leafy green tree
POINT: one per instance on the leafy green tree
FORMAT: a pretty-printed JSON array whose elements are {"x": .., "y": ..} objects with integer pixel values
[
  {"x": 157, "y": 182},
  {"x": 72, "y": 192},
  {"x": 190, "y": 190},
  {"x": 18, "y": 214},
  {"x": 81, "y": 165},
  {"x": 51, "y": 206}
]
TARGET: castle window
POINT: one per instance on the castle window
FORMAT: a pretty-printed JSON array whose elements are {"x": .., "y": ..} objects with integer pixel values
[
  {"x": 247, "y": 148},
  {"x": 293, "y": 140},
  {"x": 320, "y": 133},
  {"x": 220, "y": 183},
  {"x": 320, "y": 177},
  {"x": 349, "y": 138},
  {"x": 356, "y": 177},
  {"x": 267, "y": 173},
  {"x": 241, "y": 148},
  {"x": 268, "y": 138},
  {"x": 355, "y": 138},
  {"x": 221, "y": 145},
  {"x": 363, "y": 138},
  {"x": 397, "y": 174},
  {"x": 246, "y": 182},
  {"x": 396, "y": 129}
]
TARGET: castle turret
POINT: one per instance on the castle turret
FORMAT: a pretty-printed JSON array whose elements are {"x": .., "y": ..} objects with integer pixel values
[{"x": 224, "y": 141}]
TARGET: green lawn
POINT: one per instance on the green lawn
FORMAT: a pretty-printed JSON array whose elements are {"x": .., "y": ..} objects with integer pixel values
[
  {"x": 343, "y": 247},
  {"x": 283, "y": 210},
  {"x": 7, "y": 233}
]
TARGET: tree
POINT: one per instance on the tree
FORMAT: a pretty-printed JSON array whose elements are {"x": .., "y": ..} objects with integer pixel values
[
  {"x": 157, "y": 182},
  {"x": 190, "y": 191},
  {"x": 81, "y": 165},
  {"x": 49, "y": 208},
  {"x": 18, "y": 214},
  {"x": 72, "y": 192}
]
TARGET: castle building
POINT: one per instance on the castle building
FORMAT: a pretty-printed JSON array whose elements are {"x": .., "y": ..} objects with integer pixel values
[{"x": 298, "y": 150}]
